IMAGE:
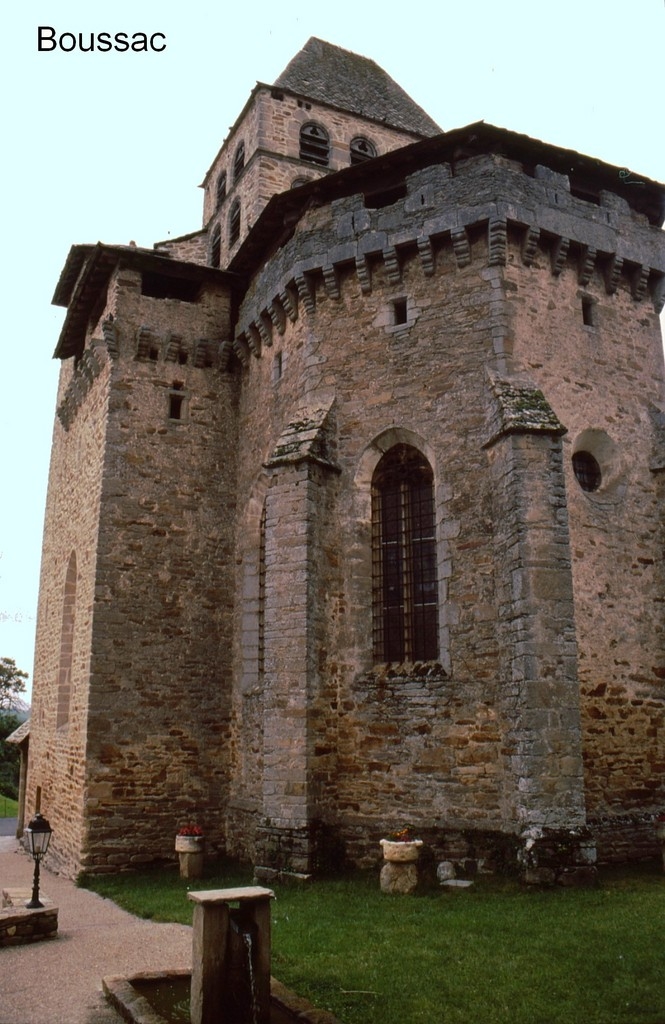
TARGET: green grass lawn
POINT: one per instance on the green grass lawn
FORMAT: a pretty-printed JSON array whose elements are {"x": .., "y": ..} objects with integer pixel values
[
  {"x": 493, "y": 954},
  {"x": 8, "y": 807}
]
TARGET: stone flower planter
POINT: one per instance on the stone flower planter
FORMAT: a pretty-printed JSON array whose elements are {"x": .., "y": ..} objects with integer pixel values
[
  {"x": 189, "y": 844},
  {"x": 401, "y": 853},
  {"x": 399, "y": 873},
  {"x": 190, "y": 850}
]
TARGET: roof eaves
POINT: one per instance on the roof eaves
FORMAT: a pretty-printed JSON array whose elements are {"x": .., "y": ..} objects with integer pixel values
[{"x": 95, "y": 264}]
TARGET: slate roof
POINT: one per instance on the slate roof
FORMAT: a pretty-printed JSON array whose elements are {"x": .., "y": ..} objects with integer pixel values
[{"x": 345, "y": 80}]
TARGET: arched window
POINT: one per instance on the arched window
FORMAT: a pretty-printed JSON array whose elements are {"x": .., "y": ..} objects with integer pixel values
[
  {"x": 66, "y": 644},
  {"x": 234, "y": 223},
  {"x": 239, "y": 161},
  {"x": 361, "y": 149},
  {"x": 261, "y": 652},
  {"x": 220, "y": 190},
  {"x": 216, "y": 247},
  {"x": 404, "y": 580},
  {"x": 314, "y": 144}
]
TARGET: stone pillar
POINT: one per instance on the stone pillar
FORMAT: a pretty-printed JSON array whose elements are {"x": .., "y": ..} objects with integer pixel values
[
  {"x": 290, "y": 507},
  {"x": 541, "y": 699},
  {"x": 291, "y": 642},
  {"x": 231, "y": 956}
]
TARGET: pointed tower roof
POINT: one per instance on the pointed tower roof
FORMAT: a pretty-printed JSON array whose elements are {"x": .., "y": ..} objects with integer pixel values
[{"x": 343, "y": 79}]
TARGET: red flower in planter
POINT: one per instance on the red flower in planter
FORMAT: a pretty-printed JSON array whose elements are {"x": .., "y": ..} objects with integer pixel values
[
  {"x": 190, "y": 830},
  {"x": 406, "y": 834}
]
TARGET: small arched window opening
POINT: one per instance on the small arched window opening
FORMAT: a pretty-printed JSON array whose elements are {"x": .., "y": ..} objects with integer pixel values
[
  {"x": 239, "y": 161},
  {"x": 361, "y": 149},
  {"x": 404, "y": 577},
  {"x": 220, "y": 190},
  {"x": 234, "y": 223},
  {"x": 587, "y": 471},
  {"x": 314, "y": 144}
]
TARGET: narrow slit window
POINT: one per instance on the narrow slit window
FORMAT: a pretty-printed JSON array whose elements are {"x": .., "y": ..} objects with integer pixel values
[
  {"x": 400, "y": 311},
  {"x": 176, "y": 402},
  {"x": 588, "y": 312},
  {"x": 175, "y": 406}
]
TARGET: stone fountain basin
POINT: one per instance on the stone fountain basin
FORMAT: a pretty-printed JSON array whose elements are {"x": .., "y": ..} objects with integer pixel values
[{"x": 138, "y": 997}]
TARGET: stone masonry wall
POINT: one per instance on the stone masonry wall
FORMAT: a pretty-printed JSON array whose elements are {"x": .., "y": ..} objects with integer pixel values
[
  {"x": 150, "y": 438},
  {"x": 415, "y": 754},
  {"x": 322, "y": 322},
  {"x": 57, "y": 764},
  {"x": 228, "y": 651},
  {"x": 603, "y": 379},
  {"x": 163, "y": 597}
]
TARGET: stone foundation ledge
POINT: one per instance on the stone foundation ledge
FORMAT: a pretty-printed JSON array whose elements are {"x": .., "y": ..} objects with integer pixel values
[
  {"x": 20, "y": 925},
  {"x": 558, "y": 856}
]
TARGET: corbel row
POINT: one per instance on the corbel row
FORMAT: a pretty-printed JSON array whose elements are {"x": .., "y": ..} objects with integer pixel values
[
  {"x": 87, "y": 370},
  {"x": 151, "y": 347},
  {"x": 300, "y": 291},
  {"x": 642, "y": 280}
]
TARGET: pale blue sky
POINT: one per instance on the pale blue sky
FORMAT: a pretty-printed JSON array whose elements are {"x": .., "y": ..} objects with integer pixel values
[{"x": 112, "y": 147}]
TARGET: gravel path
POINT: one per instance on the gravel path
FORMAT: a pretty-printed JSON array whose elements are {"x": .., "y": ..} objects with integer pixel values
[{"x": 59, "y": 981}]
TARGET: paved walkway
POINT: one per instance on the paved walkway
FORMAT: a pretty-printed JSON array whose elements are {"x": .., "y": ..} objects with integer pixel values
[{"x": 59, "y": 981}]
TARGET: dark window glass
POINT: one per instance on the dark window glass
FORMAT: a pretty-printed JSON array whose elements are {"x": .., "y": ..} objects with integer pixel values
[
  {"x": 588, "y": 313},
  {"x": 405, "y": 591},
  {"x": 587, "y": 471}
]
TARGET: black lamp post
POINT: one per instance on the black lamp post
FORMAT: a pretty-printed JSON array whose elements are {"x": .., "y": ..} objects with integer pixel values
[{"x": 39, "y": 836}]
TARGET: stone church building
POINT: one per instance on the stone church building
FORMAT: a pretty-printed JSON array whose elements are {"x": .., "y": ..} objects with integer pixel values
[{"x": 355, "y": 512}]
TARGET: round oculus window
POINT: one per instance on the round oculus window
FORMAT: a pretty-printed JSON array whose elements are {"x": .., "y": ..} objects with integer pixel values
[{"x": 587, "y": 471}]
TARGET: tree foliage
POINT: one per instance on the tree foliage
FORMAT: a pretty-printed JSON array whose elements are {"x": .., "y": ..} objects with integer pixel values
[{"x": 12, "y": 683}]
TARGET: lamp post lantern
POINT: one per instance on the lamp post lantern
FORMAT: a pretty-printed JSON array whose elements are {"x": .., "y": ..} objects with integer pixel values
[{"x": 39, "y": 836}]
